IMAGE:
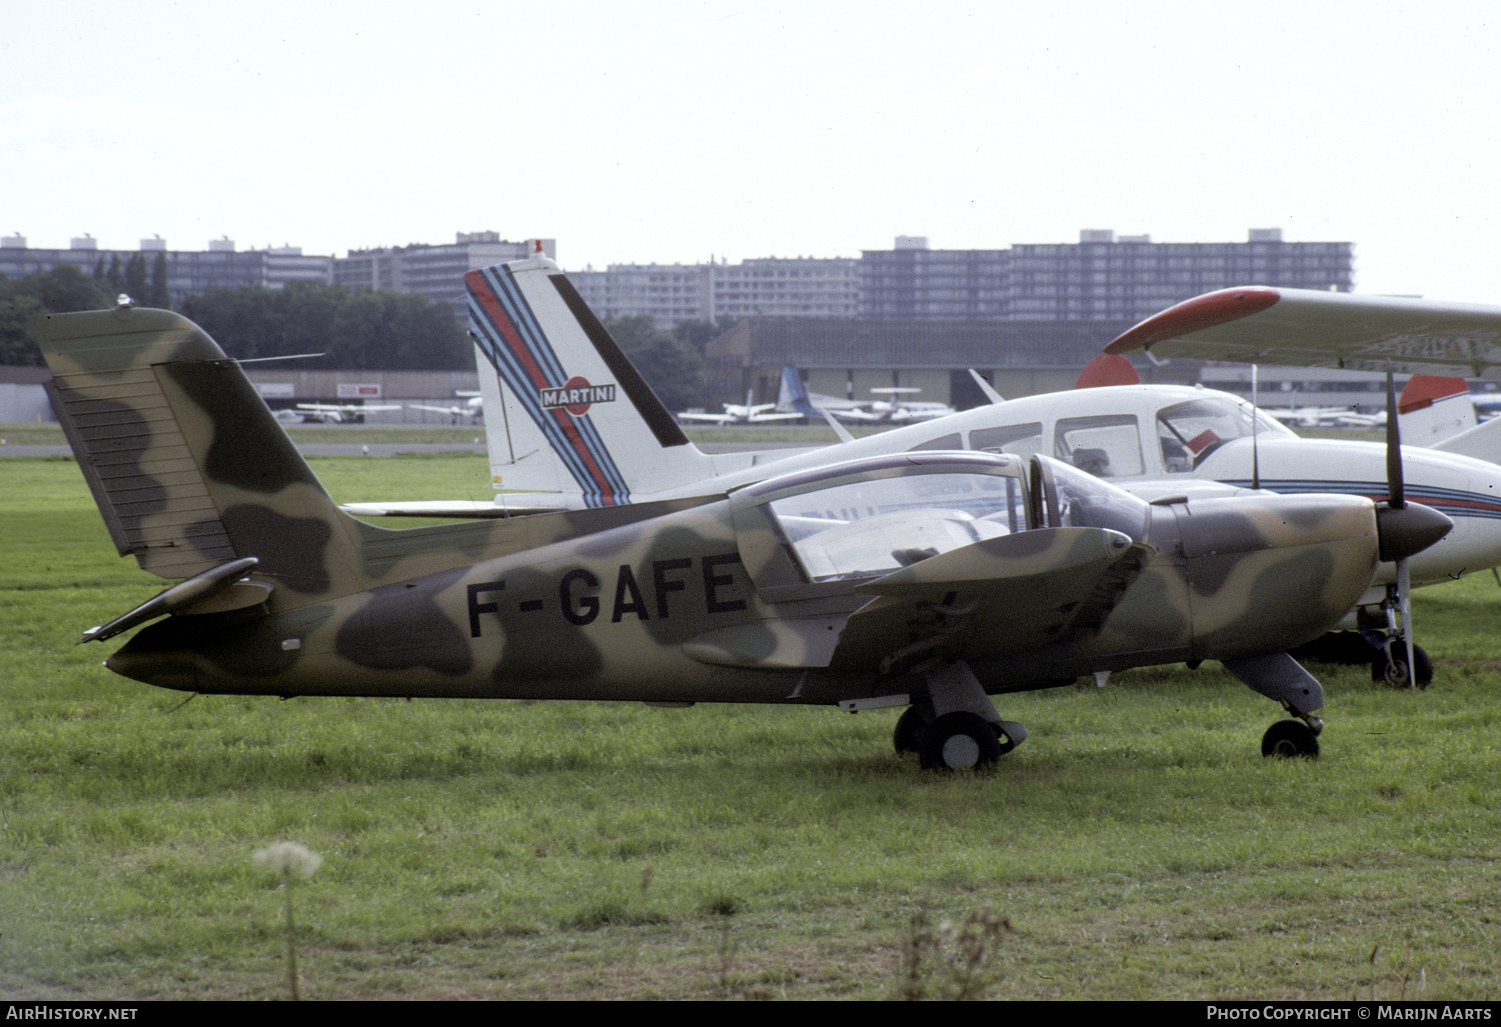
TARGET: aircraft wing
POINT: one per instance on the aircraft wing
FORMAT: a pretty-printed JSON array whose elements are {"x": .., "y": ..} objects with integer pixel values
[
  {"x": 715, "y": 418},
  {"x": 1308, "y": 328},
  {"x": 856, "y": 414},
  {"x": 504, "y": 505},
  {"x": 348, "y": 408},
  {"x": 1001, "y": 595}
]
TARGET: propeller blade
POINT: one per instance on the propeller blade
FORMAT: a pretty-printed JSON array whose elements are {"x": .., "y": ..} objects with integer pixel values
[{"x": 1394, "y": 488}]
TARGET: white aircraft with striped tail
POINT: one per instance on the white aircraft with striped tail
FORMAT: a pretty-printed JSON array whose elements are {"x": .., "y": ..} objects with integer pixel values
[{"x": 571, "y": 424}]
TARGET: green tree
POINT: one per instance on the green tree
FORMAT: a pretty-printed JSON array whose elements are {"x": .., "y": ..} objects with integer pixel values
[
  {"x": 64, "y": 288},
  {"x": 672, "y": 367},
  {"x": 135, "y": 279},
  {"x": 353, "y": 329},
  {"x": 159, "y": 295},
  {"x": 699, "y": 333}
]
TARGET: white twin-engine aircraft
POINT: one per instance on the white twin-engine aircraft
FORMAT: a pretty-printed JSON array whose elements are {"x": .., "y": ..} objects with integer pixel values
[{"x": 573, "y": 425}]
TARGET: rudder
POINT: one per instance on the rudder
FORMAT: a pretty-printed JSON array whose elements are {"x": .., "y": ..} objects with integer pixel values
[{"x": 565, "y": 411}]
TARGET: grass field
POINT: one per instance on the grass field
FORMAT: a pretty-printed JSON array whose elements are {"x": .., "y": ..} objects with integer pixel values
[{"x": 1137, "y": 846}]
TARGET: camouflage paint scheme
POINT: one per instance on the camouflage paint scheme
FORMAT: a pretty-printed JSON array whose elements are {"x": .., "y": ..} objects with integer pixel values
[{"x": 675, "y": 601}]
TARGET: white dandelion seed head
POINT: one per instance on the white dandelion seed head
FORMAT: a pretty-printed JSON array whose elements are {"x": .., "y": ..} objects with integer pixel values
[{"x": 289, "y": 858}]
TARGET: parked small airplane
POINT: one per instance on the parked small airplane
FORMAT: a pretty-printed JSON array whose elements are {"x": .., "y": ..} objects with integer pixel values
[
  {"x": 473, "y": 408},
  {"x": 926, "y": 580},
  {"x": 750, "y": 413},
  {"x": 606, "y": 440},
  {"x": 340, "y": 413},
  {"x": 893, "y": 409},
  {"x": 794, "y": 396}
]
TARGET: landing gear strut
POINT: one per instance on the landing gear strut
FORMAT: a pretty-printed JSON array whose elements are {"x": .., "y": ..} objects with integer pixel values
[
  {"x": 956, "y": 727},
  {"x": 1279, "y": 677},
  {"x": 1373, "y": 647}
]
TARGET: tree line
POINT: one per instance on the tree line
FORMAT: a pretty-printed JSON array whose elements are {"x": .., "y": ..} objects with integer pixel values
[{"x": 353, "y": 329}]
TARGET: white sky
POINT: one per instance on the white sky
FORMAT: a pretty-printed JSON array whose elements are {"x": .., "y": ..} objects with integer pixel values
[{"x": 673, "y": 130}]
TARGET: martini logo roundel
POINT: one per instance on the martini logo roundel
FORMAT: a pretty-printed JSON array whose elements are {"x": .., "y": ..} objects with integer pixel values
[{"x": 577, "y": 395}]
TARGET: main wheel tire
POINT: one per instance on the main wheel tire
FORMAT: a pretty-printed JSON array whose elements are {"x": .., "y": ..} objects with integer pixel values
[
  {"x": 1009, "y": 735},
  {"x": 908, "y": 734},
  {"x": 959, "y": 741},
  {"x": 1289, "y": 738}
]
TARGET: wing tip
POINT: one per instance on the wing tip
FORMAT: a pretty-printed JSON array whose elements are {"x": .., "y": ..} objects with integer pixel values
[{"x": 1192, "y": 315}]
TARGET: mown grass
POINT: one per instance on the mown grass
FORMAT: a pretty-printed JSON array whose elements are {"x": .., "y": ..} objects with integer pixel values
[{"x": 1137, "y": 844}]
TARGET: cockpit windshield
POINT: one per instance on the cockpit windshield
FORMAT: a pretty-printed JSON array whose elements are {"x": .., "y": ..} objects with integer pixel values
[
  {"x": 1188, "y": 432},
  {"x": 1071, "y": 498},
  {"x": 875, "y": 525}
]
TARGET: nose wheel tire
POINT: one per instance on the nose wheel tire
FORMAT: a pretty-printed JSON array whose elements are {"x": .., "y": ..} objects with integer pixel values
[
  {"x": 1390, "y": 665},
  {"x": 1289, "y": 738}
]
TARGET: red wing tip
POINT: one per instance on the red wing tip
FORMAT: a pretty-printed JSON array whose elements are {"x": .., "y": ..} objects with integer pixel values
[
  {"x": 1206, "y": 311},
  {"x": 1424, "y": 390}
]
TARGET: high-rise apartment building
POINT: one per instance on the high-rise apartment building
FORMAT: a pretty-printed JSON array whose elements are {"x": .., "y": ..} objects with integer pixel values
[
  {"x": 1101, "y": 277},
  {"x": 220, "y": 266},
  {"x": 436, "y": 270},
  {"x": 763, "y": 287}
]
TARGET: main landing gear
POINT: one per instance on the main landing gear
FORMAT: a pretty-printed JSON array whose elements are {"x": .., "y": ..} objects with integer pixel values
[
  {"x": 1279, "y": 677},
  {"x": 1385, "y": 654},
  {"x": 956, "y": 727},
  {"x": 955, "y": 741}
]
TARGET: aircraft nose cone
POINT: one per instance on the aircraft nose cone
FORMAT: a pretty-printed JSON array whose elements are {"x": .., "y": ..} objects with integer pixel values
[{"x": 1409, "y": 529}]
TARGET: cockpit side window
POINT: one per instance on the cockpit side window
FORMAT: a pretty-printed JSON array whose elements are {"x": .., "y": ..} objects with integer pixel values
[
  {"x": 1188, "y": 432},
  {"x": 1106, "y": 446}
]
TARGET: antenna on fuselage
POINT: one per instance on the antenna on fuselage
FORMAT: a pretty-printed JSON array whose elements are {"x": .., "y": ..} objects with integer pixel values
[{"x": 1255, "y": 431}]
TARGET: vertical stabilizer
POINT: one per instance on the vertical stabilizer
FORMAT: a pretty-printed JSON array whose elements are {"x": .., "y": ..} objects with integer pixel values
[
  {"x": 565, "y": 412},
  {"x": 1434, "y": 408},
  {"x": 190, "y": 470}
]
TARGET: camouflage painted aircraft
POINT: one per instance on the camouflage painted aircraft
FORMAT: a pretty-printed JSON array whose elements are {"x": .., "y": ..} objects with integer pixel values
[{"x": 927, "y": 580}]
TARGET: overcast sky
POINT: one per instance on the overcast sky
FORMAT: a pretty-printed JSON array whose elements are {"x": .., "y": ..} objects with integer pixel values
[{"x": 676, "y": 130}]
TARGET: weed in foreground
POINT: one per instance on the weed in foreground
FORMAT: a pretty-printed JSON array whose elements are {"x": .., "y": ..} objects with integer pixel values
[
  {"x": 292, "y": 860},
  {"x": 950, "y": 961}
]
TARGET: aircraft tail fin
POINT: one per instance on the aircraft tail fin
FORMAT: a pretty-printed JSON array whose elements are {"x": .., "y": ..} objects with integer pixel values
[
  {"x": 190, "y": 470},
  {"x": 794, "y": 395},
  {"x": 1434, "y": 408},
  {"x": 1107, "y": 369},
  {"x": 565, "y": 411}
]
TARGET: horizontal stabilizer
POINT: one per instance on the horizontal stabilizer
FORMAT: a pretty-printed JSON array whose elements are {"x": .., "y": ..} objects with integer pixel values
[{"x": 197, "y": 595}]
